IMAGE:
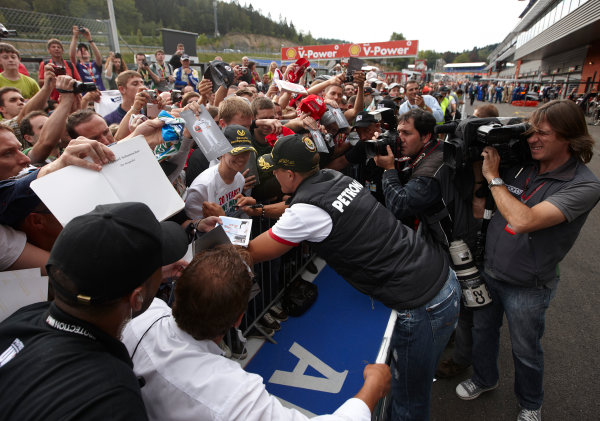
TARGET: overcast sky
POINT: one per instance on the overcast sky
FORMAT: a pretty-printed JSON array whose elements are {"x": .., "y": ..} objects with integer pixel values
[{"x": 440, "y": 25}]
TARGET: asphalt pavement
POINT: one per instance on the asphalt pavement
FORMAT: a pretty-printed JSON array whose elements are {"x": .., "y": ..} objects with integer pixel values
[{"x": 571, "y": 341}]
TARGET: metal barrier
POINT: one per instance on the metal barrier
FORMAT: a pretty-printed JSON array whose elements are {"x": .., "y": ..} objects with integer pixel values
[{"x": 272, "y": 277}]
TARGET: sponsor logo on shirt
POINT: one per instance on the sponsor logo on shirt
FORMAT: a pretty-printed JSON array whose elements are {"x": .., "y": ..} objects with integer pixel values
[{"x": 347, "y": 195}]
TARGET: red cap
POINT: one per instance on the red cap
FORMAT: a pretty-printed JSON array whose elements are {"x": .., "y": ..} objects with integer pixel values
[
  {"x": 426, "y": 89},
  {"x": 313, "y": 105}
]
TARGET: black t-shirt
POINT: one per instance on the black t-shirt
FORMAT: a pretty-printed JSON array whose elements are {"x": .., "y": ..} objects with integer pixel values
[{"x": 56, "y": 367}]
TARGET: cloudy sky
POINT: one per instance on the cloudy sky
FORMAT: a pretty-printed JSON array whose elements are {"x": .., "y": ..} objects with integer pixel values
[{"x": 440, "y": 25}]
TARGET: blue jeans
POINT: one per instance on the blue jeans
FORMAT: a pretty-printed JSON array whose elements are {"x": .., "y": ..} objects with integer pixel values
[
  {"x": 420, "y": 335},
  {"x": 525, "y": 310}
]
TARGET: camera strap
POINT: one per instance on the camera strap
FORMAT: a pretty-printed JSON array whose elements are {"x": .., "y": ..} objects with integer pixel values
[{"x": 427, "y": 149}]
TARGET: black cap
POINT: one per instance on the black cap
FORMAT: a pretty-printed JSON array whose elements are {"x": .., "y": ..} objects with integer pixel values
[
  {"x": 239, "y": 137},
  {"x": 294, "y": 152},
  {"x": 364, "y": 119},
  {"x": 112, "y": 250}
]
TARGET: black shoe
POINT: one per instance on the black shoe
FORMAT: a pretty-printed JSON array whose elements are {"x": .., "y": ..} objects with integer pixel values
[
  {"x": 268, "y": 321},
  {"x": 257, "y": 334},
  {"x": 448, "y": 369},
  {"x": 278, "y": 312}
]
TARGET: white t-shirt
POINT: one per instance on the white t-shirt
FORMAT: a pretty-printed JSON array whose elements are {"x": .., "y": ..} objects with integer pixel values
[
  {"x": 302, "y": 222},
  {"x": 209, "y": 186},
  {"x": 12, "y": 244}
]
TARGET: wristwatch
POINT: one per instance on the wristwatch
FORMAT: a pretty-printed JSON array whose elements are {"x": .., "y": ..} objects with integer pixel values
[{"x": 496, "y": 182}]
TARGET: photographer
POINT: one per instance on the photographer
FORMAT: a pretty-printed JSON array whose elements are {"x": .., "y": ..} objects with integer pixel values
[
  {"x": 162, "y": 72},
  {"x": 89, "y": 70},
  {"x": 424, "y": 185},
  {"x": 541, "y": 207},
  {"x": 143, "y": 68},
  {"x": 59, "y": 66}
]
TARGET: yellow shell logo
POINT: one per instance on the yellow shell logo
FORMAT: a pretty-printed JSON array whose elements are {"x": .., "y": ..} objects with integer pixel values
[
  {"x": 354, "y": 50},
  {"x": 309, "y": 144},
  {"x": 241, "y": 133},
  {"x": 291, "y": 53}
]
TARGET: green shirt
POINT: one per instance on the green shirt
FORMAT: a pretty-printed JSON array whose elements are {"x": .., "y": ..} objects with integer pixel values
[{"x": 25, "y": 84}]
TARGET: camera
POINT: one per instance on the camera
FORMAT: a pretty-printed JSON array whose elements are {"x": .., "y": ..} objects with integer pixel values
[
  {"x": 60, "y": 70},
  {"x": 144, "y": 63},
  {"x": 349, "y": 78},
  {"x": 471, "y": 136},
  {"x": 81, "y": 29},
  {"x": 244, "y": 69},
  {"x": 5, "y": 33},
  {"x": 475, "y": 293},
  {"x": 152, "y": 93},
  {"x": 379, "y": 146},
  {"x": 81, "y": 87},
  {"x": 176, "y": 95}
]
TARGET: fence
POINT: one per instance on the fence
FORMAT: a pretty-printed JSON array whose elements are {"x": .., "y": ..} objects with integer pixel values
[{"x": 34, "y": 29}]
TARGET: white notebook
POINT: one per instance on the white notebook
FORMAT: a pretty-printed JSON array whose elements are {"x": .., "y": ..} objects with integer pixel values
[{"x": 134, "y": 176}]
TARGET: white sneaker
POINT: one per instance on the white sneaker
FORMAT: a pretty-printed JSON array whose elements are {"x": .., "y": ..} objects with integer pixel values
[
  {"x": 468, "y": 390},
  {"x": 530, "y": 415}
]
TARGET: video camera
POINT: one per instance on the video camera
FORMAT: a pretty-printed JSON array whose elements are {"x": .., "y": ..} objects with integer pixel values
[
  {"x": 6, "y": 33},
  {"x": 81, "y": 87},
  {"x": 469, "y": 137}
]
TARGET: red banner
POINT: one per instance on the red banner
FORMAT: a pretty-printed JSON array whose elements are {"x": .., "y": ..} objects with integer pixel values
[{"x": 336, "y": 51}]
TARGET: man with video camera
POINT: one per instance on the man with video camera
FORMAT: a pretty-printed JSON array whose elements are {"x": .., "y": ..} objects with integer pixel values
[{"x": 541, "y": 208}]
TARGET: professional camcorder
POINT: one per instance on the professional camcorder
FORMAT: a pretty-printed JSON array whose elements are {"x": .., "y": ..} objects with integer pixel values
[{"x": 469, "y": 137}]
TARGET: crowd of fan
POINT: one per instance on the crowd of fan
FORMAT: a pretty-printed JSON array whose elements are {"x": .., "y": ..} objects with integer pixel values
[{"x": 49, "y": 124}]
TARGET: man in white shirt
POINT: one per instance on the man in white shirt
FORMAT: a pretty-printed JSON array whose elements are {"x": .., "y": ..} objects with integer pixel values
[
  {"x": 186, "y": 376},
  {"x": 415, "y": 99}
]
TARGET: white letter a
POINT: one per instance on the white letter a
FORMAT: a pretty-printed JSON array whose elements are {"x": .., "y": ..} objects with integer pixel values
[{"x": 332, "y": 381}]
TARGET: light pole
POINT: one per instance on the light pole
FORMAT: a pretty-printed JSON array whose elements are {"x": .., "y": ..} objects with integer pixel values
[
  {"x": 215, "y": 12},
  {"x": 114, "y": 36}
]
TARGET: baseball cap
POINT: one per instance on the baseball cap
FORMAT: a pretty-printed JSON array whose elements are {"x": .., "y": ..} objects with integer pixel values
[
  {"x": 364, "y": 119},
  {"x": 313, "y": 105},
  {"x": 112, "y": 250},
  {"x": 239, "y": 137},
  {"x": 295, "y": 152},
  {"x": 426, "y": 89},
  {"x": 393, "y": 85},
  {"x": 185, "y": 57}
]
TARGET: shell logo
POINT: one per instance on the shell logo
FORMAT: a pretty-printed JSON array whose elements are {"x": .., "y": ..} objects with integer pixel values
[
  {"x": 354, "y": 50},
  {"x": 291, "y": 53}
]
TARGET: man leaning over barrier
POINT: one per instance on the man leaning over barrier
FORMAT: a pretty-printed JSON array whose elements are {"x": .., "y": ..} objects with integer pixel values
[{"x": 376, "y": 254}]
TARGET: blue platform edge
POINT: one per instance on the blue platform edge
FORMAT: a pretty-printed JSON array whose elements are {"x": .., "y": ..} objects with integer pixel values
[{"x": 343, "y": 329}]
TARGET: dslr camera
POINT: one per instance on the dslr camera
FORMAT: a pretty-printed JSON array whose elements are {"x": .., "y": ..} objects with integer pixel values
[{"x": 379, "y": 146}]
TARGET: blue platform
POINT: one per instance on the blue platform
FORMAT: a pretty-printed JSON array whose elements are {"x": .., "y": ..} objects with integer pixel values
[{"x": 335, "y": 339}]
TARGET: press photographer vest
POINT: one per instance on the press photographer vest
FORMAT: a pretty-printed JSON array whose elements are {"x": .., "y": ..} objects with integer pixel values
[
  {"x": 461, "y": 224},
  {"x": 369, "y": 247}
]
